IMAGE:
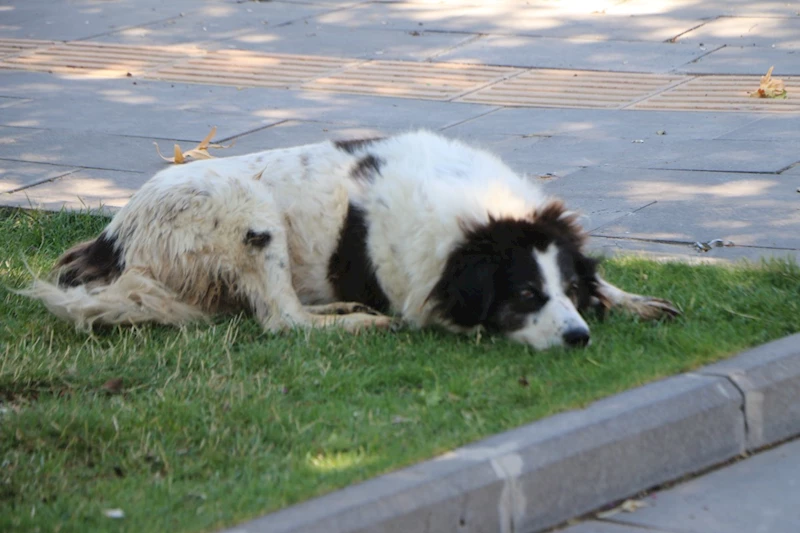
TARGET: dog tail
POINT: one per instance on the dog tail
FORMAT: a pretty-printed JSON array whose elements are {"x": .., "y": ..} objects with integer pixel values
[{"x": 93, "y": 287}]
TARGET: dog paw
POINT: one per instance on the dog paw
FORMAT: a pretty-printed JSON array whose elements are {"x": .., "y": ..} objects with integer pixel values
[{"x": 650, "y": 308}]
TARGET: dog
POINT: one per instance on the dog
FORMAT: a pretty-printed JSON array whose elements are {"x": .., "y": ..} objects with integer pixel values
[{"x": 347, "y": 234}]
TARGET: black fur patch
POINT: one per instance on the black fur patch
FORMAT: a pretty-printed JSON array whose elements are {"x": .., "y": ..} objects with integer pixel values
[
  {"x": 257, "y": 239},
  {"x": 350, "y": 270},
  {"x": 95, "y": 260},
  {"x": 366, "y": 168},
  {"x": 354, "y": 145},
  {"x": 492, "y": 279}
]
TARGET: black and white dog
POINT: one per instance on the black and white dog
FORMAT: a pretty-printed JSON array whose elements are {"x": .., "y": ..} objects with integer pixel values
[{"x": 335, "y": 233}]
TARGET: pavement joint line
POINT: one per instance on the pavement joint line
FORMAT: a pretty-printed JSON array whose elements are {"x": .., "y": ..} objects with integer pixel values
[
  {"x": 659, "y": 90},
  {"x": 79, "y": 167},
  {"x": 473, "y": 39},
  {"x": 698, "y": 58},
  {"x": 470, "y": 119},
  {"x": 254, "y": 130},
  {"x": 715, "y": 171},
  {"x": 504, "y": 77},
  {"x": 40, "y": 182},
  {"x": 126, "y": 28},
  {"x": 674, "y": 39},
  {"x": 681, "y": 243},
  {"x": 630, "y": 213}
]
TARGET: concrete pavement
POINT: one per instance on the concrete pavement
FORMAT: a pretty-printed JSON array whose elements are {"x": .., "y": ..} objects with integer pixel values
[
  {"x": 757, "y": 495},
  {"x": 636, "y": 111}
]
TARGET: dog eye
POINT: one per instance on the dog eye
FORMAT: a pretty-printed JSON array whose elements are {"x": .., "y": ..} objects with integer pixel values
[{"x": 528, "y": 294}]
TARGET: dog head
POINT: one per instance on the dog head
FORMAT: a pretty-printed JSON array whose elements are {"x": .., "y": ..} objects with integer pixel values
[{"x": 527, "y": 279}]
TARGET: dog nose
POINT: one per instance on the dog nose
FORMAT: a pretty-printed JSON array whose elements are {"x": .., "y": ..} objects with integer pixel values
[{"x": 576, "y": 337}]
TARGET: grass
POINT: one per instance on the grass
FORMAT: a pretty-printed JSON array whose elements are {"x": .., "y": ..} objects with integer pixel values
[{"x": 215, "y": 425}]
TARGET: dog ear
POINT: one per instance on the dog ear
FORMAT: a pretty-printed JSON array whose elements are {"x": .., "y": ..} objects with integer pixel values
[
  {"x": 466, "y": 292},
  {"x": 561, "y": 222},
  {"x": 586, "y": 269}
]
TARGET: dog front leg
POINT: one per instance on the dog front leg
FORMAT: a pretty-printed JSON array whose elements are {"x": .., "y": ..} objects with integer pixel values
[{"x": 646, "y": 307}]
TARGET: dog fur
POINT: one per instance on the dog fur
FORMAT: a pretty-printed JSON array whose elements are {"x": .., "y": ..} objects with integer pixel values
[{"x": 343, "y": 234}]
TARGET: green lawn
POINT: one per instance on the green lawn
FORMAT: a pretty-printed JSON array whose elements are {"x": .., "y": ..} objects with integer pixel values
[{"x": 214, "y": 425}]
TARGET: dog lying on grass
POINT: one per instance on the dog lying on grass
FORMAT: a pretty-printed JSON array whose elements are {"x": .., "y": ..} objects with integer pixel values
[{"x": 344, "y": 234}]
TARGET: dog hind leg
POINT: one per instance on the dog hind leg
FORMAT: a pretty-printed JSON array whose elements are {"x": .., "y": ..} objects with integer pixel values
[{"x": 266, "y": 283}]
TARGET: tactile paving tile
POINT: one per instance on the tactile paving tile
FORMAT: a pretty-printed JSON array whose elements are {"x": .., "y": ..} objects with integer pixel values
[
  {"x": 429, "y": 81},
  {"x": 10, "y": 47},
  {"x": 573, "y": 88},
  {"x": 722, "y": 93},
  {"x": 243, "y": 68},
  {"x": 95, "y": 59}
]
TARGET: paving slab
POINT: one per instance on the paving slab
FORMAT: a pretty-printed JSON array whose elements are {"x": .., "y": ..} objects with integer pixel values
[
  {"x": 595, "y": 526},
  {"x": 668, "y": 153},
  {"x": 15, "y": 175},
  {"x": 217, "y": 21},
  {"x": 344, "y": 109},
  {"x": 705, "y": 9},
  {"x": 659, "y": 152},
  {"x": 131, "y": 112},
  {"x": 758, "y": 495},
  {"x": 747, "y": 209},
  {"x": 541, "y": 474},
  {"x": 81, "y": 149},
  {"x": 769, "y": 32},
  {"x": 545, "y": 19},
  {"x": 684, "y": 252},
  {"x": 769, "y": 377},
  {"x": 603, "y": 124},
  {"x": 338, "y": 41},
  {"x": 746, "y": 60},
  {"x": 610, "y": 26},
  {"x": 773, "y": 128},
  {"x": 544, "y": 52},
  {"x": 79, "y": 19},
  {"x": 295, "y": 133},
  {"x": 85, "y": 189}
]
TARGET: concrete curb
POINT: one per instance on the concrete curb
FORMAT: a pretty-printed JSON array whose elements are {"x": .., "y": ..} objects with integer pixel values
[{"x": 542, "y": 474}]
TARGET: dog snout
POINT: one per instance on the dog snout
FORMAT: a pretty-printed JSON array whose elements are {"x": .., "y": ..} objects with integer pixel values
[{"x": 576, "y": 337}]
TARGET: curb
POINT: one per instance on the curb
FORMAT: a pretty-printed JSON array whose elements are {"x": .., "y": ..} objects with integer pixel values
[{"x": 540, "y": 475}]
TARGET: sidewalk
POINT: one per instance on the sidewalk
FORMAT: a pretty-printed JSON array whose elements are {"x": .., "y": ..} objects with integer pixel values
[
  {"x": 758, "y": 495},
  {"x": 641, "y": 127},
  {"x": 635, "y": 111}
]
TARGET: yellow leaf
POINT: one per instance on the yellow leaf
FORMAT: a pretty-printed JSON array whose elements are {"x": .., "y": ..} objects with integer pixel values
[
  {"x": 198, "y": 152},
  {"x": 204, "y": 143},
  {"x": 770, "y": 87},
  {"x": 178, "y": 158}
]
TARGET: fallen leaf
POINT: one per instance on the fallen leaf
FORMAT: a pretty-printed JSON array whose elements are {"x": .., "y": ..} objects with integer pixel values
[
  {"x": 661, "y": 132},
  {"x": 770, "y": 87},
  {"x": 114, "y": 513},
  {"x": 112, "y": 386},
  {"x": 523, "y": 381},
  {"x": 628, "y": 506},
  {"x": 198, "y": 152}
]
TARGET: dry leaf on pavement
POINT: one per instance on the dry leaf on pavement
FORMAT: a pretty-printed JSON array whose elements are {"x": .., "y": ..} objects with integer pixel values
[
  {"x": 628, "y": 506},
  {"x": 198, "y": 152},
  {"x": 770, "y": 87}
]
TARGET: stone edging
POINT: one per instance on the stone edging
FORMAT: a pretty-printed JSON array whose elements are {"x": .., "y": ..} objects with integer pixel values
[{"x": 547, "y": 472}]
